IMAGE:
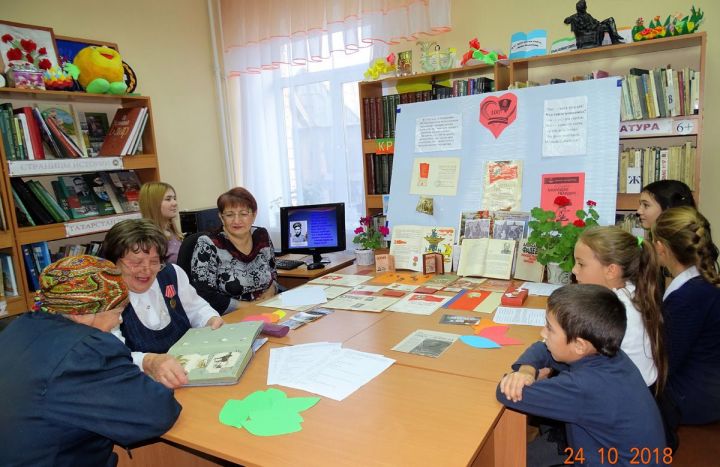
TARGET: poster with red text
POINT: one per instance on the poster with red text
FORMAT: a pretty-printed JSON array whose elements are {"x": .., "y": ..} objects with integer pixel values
[{"x": 564, "y": 194}]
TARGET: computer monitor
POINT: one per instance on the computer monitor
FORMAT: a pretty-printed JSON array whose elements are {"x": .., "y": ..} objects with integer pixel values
[{"x": 313, "y": 229}]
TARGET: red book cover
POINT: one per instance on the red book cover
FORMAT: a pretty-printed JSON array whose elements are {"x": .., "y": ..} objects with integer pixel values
[
  {"x": 469, "y": 300},
  {"x": 571, "y": 186},
  {"x": 120, "y": 131},
  {"x": 35, "y": 137},
  {"x": 514, "y": 296}
]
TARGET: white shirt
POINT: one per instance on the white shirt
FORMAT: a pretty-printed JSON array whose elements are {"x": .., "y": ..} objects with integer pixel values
[
  {"x": 636, "y": 343},
  {"x": 680, "y": 280},
  {"x": 150, "y": 308}
]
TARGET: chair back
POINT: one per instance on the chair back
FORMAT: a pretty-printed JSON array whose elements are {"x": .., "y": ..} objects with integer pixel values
[{"x": 185, "y": 252}]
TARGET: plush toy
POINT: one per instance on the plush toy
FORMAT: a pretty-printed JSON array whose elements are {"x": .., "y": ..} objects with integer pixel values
[{"x": 98, "y": 69}]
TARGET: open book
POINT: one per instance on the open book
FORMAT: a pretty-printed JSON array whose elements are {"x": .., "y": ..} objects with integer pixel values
[
  {"x": 486, "y": 257},
  {"x": 216, "y": 357}
]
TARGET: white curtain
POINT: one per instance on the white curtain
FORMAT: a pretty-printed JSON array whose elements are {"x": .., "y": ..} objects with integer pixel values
[{"x": 295, "y": 125}]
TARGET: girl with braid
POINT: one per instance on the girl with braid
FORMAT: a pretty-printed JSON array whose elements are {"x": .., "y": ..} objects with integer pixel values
[
  {"x": 612, "y": 257},
  {"x": 691, "y": 307}
]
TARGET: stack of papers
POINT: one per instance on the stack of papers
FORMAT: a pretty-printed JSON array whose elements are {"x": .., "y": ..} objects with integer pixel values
[{"x": 324, "y": 368}]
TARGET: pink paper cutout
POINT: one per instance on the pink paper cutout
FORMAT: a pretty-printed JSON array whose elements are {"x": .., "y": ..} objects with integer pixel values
[
  {"x": 497, "y": 334},
  {"x": 497, "y": 113}
]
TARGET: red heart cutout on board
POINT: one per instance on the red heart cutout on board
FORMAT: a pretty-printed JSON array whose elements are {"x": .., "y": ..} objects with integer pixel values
[{"x": 497, "y": 113}]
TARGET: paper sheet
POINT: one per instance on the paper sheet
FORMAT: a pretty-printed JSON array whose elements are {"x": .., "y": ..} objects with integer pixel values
[{"x": 523, "y": 316}]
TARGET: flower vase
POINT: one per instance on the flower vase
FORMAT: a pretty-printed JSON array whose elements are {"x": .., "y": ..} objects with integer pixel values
[
  {"x": 364, "y": 257},
  {"x": 555, "y": 274}
]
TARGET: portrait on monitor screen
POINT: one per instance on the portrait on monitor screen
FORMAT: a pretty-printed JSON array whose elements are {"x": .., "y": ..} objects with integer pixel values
[{"x": 298, "y": 233}]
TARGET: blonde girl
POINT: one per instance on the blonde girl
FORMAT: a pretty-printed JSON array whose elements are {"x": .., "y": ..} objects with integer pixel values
[
  {"x": 158, "y": 203},
  {"x": 628, "y": 265},
  {"x": 691, "y": 307}
]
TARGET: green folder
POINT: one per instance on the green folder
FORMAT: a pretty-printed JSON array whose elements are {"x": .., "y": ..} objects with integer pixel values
[{"x": 216, "y": 357}]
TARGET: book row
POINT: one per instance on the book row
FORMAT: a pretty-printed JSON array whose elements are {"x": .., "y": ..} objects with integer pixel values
[
  {"x": 37, "y": 256},
  {"x": 379, "y": 173},
  {"x": 75, "y": 197},
  {"x": 660, "y": 93},
  {"x": 57, "y": 131},
  {"x": 640, "y": 166},
  {"x": 8, "y": 280}
]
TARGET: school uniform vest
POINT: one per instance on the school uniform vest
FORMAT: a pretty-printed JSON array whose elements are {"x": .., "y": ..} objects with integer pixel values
[{"x": 141, "y": 339}]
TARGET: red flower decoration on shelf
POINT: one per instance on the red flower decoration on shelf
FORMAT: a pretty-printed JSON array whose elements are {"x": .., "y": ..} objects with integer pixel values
[
  {"x": 27, "y": 50},
  {"x": 579, "y": 223},
  {"x": 591, "y": 203}
]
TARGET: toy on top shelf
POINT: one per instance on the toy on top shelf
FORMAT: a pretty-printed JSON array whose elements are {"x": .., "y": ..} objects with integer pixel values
[
  {"x": 476, "y": 55},
  {"x": 674, "y": 25},
  {"x": 381, "y": 67},
  {"x": 433, "y": 59},
  {"x": 590, "y": 32},
  {"x": 98, "y": 69}
]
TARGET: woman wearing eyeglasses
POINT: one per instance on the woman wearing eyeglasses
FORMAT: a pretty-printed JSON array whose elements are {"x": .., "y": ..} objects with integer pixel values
[
  {"x": 238, "y": 262},
  {"x": 163, "y": 305}
]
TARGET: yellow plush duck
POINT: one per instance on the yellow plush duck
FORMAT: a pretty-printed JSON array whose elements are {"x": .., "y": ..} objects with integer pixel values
[{"x": 98, "y": 69}]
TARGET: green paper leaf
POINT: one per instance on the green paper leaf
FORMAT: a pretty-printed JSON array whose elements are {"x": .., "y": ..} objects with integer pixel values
[
  {"x": 234, "y": 413},
  {"x": 273, "y": 422},
  {"x": 297, "y": 404}
]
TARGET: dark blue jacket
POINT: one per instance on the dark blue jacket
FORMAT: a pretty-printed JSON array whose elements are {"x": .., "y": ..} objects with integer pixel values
[
  {"x": 603, "y": 401},
  {"x": 692, "y": 327},
  {"x": 69, "y": 391}
]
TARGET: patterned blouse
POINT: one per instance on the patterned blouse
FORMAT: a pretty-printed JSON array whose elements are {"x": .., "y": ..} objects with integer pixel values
[{"x": 220, "y": 272}]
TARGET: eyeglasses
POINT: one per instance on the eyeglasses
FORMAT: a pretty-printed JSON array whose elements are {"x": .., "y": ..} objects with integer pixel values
[
  {"x": 153, "y": 265},
  {"x": 233, "y": 215}
]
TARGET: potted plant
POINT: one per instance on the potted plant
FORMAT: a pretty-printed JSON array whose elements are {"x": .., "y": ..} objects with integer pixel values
[
  {"x": 369, "y": 239},
  {"x": 555, "y": 235}
]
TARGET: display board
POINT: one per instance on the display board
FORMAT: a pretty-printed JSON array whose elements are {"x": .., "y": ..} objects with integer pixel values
[{"x": 442, "y": 150}]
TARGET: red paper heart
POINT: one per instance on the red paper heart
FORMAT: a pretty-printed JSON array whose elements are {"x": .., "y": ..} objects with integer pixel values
[
  {"x": 497, "y": 335},
  {"x": 497, "y": 113}
]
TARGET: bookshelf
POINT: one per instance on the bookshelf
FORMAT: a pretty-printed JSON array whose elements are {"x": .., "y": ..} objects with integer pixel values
[
  {"x": 617, "y": 60},
  {"x": 145, "y": 166}
]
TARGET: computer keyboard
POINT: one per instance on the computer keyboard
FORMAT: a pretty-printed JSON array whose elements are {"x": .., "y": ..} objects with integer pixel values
[{"x": 288, "y": 263}]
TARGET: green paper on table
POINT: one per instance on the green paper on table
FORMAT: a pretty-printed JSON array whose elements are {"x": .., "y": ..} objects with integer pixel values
[{"x": 267, "y": 413}]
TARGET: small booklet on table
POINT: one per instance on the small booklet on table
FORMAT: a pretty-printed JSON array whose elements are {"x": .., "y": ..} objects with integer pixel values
[{"x": 216, "y": 357}]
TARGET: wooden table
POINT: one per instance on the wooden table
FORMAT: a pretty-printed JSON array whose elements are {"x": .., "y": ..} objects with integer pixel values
[
  {"x": 294, "y": 277},
  {"x": 420, "y": 411}
]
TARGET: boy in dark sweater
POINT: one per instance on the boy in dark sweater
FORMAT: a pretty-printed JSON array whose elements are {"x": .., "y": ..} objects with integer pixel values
[{"x": 610, "y": 415}]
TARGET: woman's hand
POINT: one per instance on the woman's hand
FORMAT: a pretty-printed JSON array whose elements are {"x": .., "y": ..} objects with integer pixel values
[
  {"x": 214, "y": 322},
  {"x": 269, "y": 292},
  {"x": 165, "y": 369}
]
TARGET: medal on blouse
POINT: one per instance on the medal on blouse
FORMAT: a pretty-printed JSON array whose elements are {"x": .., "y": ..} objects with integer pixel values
[{"x": 170, "y": 293}]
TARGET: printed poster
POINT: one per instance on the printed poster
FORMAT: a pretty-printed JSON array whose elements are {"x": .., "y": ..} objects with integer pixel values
[
  {"x": 565, "y": 127},
  {"x": 502, "y": 186},
  {"x": 569, "y": 186},
  {"x": 435, "y": 176},
  {"x": 438, "y": 133}
]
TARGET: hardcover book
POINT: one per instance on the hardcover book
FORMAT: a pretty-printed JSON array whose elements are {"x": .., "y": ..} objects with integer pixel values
[
  {"x": 121, "y": 131},
  {"x": 94, "y": 127},
  {"x": 486, "y": 257},
  {"x": 80, "y": 199},
  {"x": 59, "y": 119},
  {"x": 126, "y": 185},
  {"x": 216, "y": 357}
]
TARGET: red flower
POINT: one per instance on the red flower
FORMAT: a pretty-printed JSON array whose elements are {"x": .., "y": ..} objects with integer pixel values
[
  {"x": 6, "y": 38},
  {"x": 28, "y": 45},
  {"x": 42, "y": 51},
  {"x": 359, "y": 230},
  {"x": 579, "y": 223},
  {"x": 475, "y": 44},
  {"x": 384, "y": 231},
  {"x": 29, "y": 58},
  {"x": 591, "y": 203},
  {"x": 45, "y": 64},
  {"x": 562, "y": 201},
  {"x": 14, "y": 54}
]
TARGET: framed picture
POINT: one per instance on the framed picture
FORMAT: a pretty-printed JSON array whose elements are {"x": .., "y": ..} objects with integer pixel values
[
  {"x": 384, "y": 263},
  {"x": 68, "y": 47},
  {"x": 17, "y": 41},
  {"x": 429, "y": 263}
]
